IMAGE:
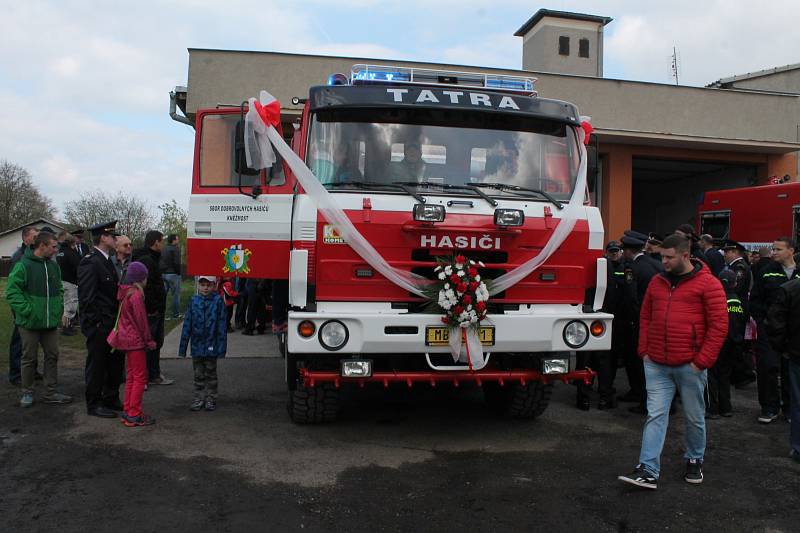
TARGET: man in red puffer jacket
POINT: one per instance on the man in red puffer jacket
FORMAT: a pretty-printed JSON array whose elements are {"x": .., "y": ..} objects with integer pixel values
[{"x": 683, "y": 325}]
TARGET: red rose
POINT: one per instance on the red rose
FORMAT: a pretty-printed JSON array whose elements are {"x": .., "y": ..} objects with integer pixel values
[
  {"x": 473, "y": 271},
  {"x": 467, "y": 299},
  {"x": 445, "y": 320},
  {"x": 480, "y": 306},
  {"x": 457, "y": 310},
  {"x": 473, "y": 286},
  {"x": 461, "y": 259},
  {"x": 455, "y": 279},
  {"x": 461, "y": 287}
]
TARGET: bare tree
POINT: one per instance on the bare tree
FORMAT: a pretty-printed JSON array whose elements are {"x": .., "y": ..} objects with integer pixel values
[
  {"x": 20, "y": 199},
  {"x": 133, "y": 215}
]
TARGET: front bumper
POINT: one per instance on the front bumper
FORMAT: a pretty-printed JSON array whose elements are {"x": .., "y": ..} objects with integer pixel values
[{"x": 533, "y": 329}]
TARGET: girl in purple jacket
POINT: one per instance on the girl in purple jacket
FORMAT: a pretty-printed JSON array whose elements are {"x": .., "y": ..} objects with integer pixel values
[{"x": 132, "y": 336}]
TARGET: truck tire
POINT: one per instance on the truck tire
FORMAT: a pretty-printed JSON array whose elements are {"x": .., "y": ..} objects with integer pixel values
[
  {"x": 518, "y": 401},
  {"x": 313, "y": 405}
]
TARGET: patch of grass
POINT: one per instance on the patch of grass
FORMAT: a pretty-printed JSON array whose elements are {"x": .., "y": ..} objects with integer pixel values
[{"x": 73, "y": 349}]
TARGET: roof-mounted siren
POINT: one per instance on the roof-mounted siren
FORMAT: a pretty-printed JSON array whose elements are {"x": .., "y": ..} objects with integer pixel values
[
  {"x": 338, "y": 79},
  {"x": 371, "y": 74}
]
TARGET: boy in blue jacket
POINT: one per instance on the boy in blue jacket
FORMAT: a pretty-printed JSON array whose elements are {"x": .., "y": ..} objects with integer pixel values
[{"x": 205, "y": 329}]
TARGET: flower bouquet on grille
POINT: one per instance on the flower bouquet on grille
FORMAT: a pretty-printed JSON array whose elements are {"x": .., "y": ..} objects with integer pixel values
[{"x": 459, "y": 292}]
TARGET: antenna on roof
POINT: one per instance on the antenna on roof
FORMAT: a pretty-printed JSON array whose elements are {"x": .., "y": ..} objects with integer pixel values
[{"x": 675, "y": 65}]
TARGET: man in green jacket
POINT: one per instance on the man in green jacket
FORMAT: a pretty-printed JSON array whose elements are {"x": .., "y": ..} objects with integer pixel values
[{"x": 36, "y": 296}]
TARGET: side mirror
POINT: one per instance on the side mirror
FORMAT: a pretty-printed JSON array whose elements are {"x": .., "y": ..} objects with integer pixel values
[
  {"x": 592, "y": 165},
  {"x": 239, "y": 157}
]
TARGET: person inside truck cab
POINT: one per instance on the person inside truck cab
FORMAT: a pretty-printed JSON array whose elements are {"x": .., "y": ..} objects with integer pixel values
[
  {"x": 344, "y": 165},
  {"x": 412, "y": 167},
  {"x": 501, "y": 163}
]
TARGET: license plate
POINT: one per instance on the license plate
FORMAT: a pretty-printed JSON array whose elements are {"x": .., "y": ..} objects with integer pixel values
[{"x": 440, "y": 336}]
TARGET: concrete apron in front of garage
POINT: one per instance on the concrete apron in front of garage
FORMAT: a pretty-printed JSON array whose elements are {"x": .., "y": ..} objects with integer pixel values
[{"x": 239, "y": 345}]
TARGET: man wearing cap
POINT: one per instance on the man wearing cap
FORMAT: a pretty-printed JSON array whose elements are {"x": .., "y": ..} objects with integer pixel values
[
  {"x": 80, "y": 246},
  {"x": 742, "y": 373},
  {"x": 155, "y": 301},
  {"x": 653, "y": 246},
  {"x": 97, "y": 297},
  {"x": 773, "y": 377},
  {"x": 68, "y": 260},
  {"x": 639, "y": 269}
]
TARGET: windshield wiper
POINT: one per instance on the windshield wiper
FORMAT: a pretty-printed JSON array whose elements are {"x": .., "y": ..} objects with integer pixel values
[
  {"x": 430, "y": 184},
  {"x": 518, "y": 189},
  {"x": 378, "y": 185}
]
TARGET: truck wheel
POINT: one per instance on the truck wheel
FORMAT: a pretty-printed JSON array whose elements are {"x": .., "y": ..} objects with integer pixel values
[
  {"x": 313, "y": 405},
  {"x": 518, "y": 401}
]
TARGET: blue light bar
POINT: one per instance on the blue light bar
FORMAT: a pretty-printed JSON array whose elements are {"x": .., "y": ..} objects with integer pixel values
[{"x": 366, "y": 74}]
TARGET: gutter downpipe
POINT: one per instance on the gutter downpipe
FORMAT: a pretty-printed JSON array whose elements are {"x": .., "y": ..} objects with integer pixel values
[{"x": 173, "y": 111}]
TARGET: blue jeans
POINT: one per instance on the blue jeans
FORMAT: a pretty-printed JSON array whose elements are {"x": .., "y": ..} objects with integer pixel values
[
  {"x": 661, "y": 382},
  {"x": 172, "y": 282},
  {"x": 794, "y": 380}
]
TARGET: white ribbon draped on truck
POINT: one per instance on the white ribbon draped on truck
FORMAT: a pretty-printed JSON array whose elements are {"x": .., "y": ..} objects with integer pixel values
[{"x": 263, "y": 116}]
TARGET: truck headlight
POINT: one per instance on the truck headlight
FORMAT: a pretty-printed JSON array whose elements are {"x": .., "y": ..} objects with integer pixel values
[
  {"x": 333, "y": 335},
  {"x": 576, "y": 334},
  {"x": 508, "y": 217},
  {"x": 429, "y": 212}
]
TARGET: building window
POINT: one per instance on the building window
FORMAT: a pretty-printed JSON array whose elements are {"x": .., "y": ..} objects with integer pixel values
[
  {"x": 563, "y": 45},
  {"x": 583, "y": 48}
]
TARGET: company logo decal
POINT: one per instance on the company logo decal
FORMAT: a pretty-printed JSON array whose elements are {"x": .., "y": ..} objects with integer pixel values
[
  {"x": 236, "y": 259},
  {"x": 330, "y": 235},
  {"x": 483, "y": 242}
]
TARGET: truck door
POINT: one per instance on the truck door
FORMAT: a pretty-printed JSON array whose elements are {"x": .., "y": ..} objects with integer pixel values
[
  {"x": 231, "y": 233},
  {"x": 796, "y": 222},
  {"x": 716, "y": 223}
]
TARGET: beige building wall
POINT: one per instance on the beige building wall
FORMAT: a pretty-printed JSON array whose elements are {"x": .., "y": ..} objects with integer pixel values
[
  {"x": 622, "y": 111},
  {"x": 540, "y": 48}
]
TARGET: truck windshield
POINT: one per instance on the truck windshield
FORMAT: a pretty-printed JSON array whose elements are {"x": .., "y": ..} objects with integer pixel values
[{"x": 443, "y": 146}]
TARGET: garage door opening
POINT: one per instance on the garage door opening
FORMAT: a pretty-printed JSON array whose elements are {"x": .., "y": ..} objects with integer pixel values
[{"x": 666, "y": 192}]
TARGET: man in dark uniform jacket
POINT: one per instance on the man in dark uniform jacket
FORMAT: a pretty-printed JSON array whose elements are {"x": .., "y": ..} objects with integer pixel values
[
  {"x": 714, "y": 257},
  {"x": 770, "y": 364},
  {"x": 97, "y": 297},
  {"x": 81, "y": 246},
  {"x": 605, "y": 362},
  {"x": 68, "y": 261},
  {"x": 639, "y": 269},
  {"x": 742, "y": 367},
  {"x": 696, "y": 252}
]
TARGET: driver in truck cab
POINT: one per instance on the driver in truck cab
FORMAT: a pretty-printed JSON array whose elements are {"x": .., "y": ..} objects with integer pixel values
[{"x": 412, "y": 167}]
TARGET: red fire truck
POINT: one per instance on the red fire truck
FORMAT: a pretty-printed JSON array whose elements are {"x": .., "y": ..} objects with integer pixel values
[
  {"x": 494, "y": 165},
  {"x": 754, "y": 216}
]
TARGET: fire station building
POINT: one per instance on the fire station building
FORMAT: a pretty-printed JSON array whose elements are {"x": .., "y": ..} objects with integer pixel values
[{"x": 660, "y": 146}]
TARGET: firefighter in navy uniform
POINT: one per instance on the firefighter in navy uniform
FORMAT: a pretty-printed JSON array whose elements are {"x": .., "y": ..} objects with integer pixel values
[
  {"x": 735, "y": 253},
  {"x": 605, "y": 362},
  {"x": 639, "y": 269},
  {"x": 772, "y": 396},
  {"x": 97, "y": 297}
]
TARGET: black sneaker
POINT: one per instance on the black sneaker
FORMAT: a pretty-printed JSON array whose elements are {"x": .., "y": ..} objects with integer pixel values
[
  {"x": 641, "y": 478},
  {"x": 211, "y": 404},
  {"x": 694, "y": 471},
  {"x": 197, "y": 404}
]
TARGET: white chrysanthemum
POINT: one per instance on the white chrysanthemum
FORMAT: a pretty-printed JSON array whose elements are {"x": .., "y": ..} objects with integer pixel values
[
  {"x": 441, "y": 275},
  {"x": 460, "y": 273},
  {"x": 478, "y": 277},
  {"x": 448, "y": 270}
]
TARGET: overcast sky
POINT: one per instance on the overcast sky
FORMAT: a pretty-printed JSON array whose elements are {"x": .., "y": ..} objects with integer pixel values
[{"x": 84, "y": 85}]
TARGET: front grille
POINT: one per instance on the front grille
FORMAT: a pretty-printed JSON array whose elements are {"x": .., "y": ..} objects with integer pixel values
[{"x": 487, "y": 257}]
